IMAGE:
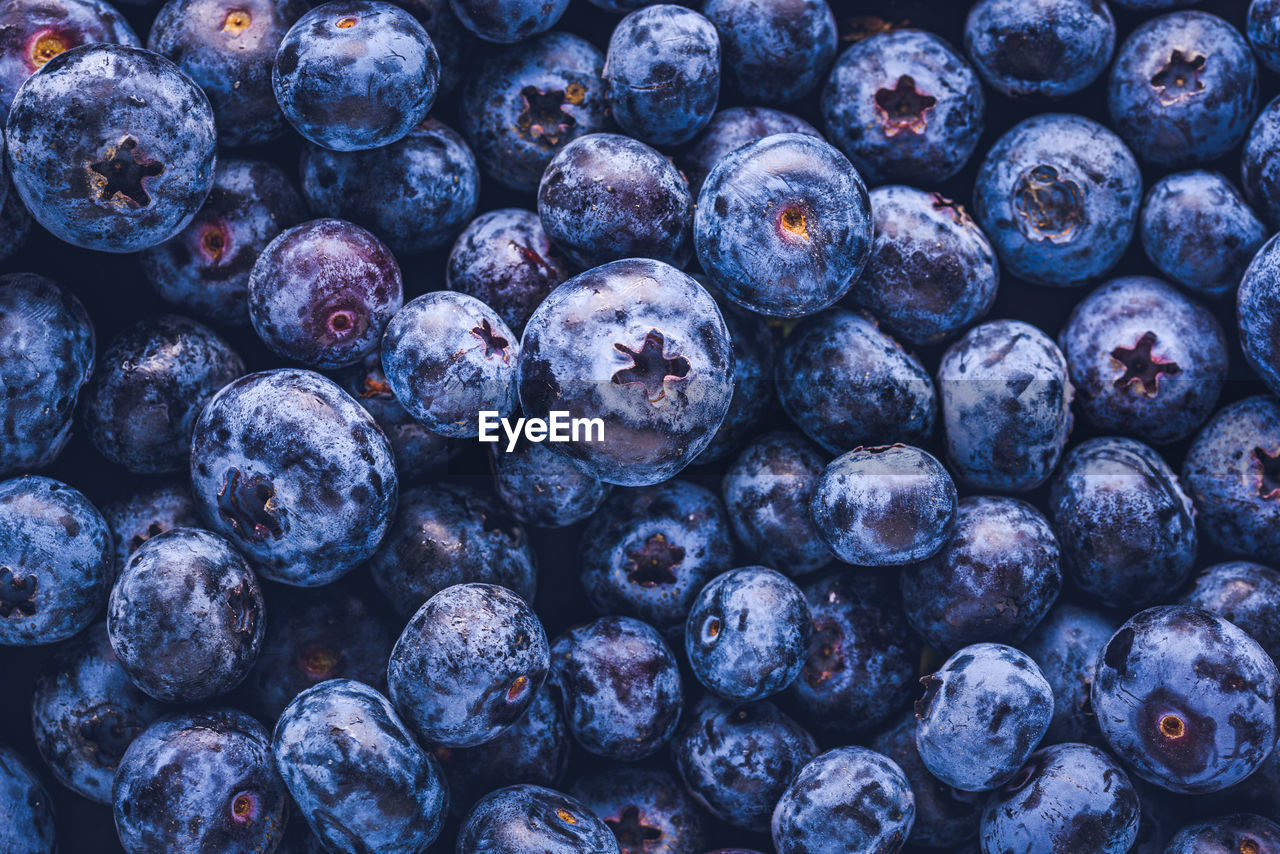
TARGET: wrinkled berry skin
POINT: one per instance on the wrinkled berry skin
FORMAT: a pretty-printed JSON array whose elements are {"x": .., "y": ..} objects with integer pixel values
[
  {"x": 993, "y": 580},
  {"x": 754, "y": 390},
  {"x": 1127, "y": 528},
  {"x": 662, "y": 73},
  {"x": 846, "y": 383},
  {"x": 144, "y": 513},
  {"x": 34, "y": 31},
  {"x": 355, "y": 771},
  {"x": 619, "y": 687},
  {"x": 863, "y": 657},
  {"x": 747, "y": 635},
  {"x": 932, "y": 271},
  {"x": 143, "y": 185},
  {"x": 649, "y": 354},
  {"x": 468, "y": 664},
  {"x": 1069, "y": 797},
  {"x": 200, "y": 781},
  {"x": 1065, "y": 647},
  {"x": 186, "y": 617},
  {"x": 1145, "y": 361},
  {"x": 543, "y": 488},
  {"x": 1045, "y": 48},
  {"x": 295, "y": 473},
  {"x": 415, "y": 194},
  {"x": 605, "y": 196},
  {"x": 228, "y": 50},
  {"x": 648, "y": 552},
  {"x": 55, "y": 561},
  {"x": 504, "y": 259},
  {"x": 783, "y": 225},
  {"x": 737, "y": 758},
  {"x": 1006, "y": 406},
  {"x": 355, "y": 74},
  {"x": 444, "y": 535},
  {"x": 1170, "y": 102},
  {"x": 1199, "y": 231},
  {"x": 774, "y": 51},
  {"x": 904, "y": 107},
  {"x": 981, "y": 716},
  {"x": 647, "y": 809},
  {"x": 847, "y": 799},
  {"x": 1245, "y": 594},
  {"x": 46, "y": 357},
  {"x": 767, "y": 491},
  {"x": 313, "y": 636},
  {"x": 730, "y": 129},
  {"x": 1186, "y": 699},
  {"x": 85, "y": 712},
  {"x": 1230, "y": 833},
  {"x": 524, "y": 104},
  {"x": 1231, "y": 473},
  {"x": 1257, "y": 303},
  {"x": 885, "y": 506},
  {"x": 1262, "y": 28},
  {"x": 1058, "y": 196},
  {"x": 508, "y": 21},
  {"x": 321, "y": 293},
  {"x": 150, "y": 386},
  {"x": 532, "y": 818},
  {"x": 29, "y": 828},
  {"x": 448, "y": 357}
]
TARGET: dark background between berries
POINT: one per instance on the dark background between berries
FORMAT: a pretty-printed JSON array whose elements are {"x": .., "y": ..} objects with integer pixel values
[{"x": 116, "y": 294}]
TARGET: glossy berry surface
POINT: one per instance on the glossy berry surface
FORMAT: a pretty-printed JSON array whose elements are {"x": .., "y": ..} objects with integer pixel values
[
  {"x": 1238, "y": 832},
  {"x": 1065, "y": 646},
  {"x": 1243, "y": 593},
  {"x": 1257, "y": 298},
  {"x": 728, "y": 129},
  {"x": 141, "y": 515},
  {"x": 774, "y": 51},
  {"x": 507, "y": 21},
  {"x": 1048, "y": 48},
  {"x": 524, "y": 815}
]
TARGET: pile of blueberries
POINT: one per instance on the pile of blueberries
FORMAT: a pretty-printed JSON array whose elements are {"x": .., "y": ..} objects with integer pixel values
[{"x": 916, "y": 483}]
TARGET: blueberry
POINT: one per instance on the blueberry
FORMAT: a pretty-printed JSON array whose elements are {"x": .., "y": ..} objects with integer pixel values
[
  {"x": 619, "y": 687},
  {"x": 1169, "y": 102},
  {"x": 468, "y": 664},
  {"x": 449, "y": 357},
  {"x": 847, "y": 799},
  {"x": 415, "y": 194},
  {"x": 1262, "y": 28},
  {"x": 205, "y": 268},
  {"x": 1127, "y": 528},
  {"x": 55, "y": 561},
  {"x": 1186, "y": 699},
  {"x": 647, "y": 809},
  {"x": 143, "y": 514},
  {"x": 981, "y": 716},
  {"x": 543, "y": 488},
  {"x": 1145, "y": 361},
  {"x": 754, "y": 388},
  {"x": 454, "y": 43},
  {"x": 508, "y": 21},
  {"x": 504, "y": 259},
  {"x": 932, "y": 271},
  {"x": 229, "y": 50},
  {"x": 142, "y": 128},
  {"x": 885, "y": 506},
  {"x": 783, "y": 225},
  {"x": 648, "y": 552},
  {"x": 355, "y": 74},
  {"x": 1069, "y": 797},
  {"x": 524, "y": 104},
  {"x": 86, "y": 712},
  {"x": 15, "y": 224},
  {"x": 774, "y": 50},
  {"x": 355, "y": 771},
  {"x": 1058, "y": 196},
  {"x": 640, "y": 346},
  {"x": 863, "y": 657},
  {"x": 29, "y": 828},
  {"x": 525, "y": 817},
  {"x": 905, "y": 107},
  {"x": 993, "y": 580},
  {"x": 662, "y": 73},
  {"x": 767, "y": 492},
  {"x": 46, "y": 357},
  {"x": 1238, "y": 832},
  {"x": 1258, "y": 174},
  {"x": 295, "y": 473},
  {"x": 846, "y": 383},
  {"x": 200, "y": 781},
  {"x": 445, "y": 534},
  {"x": 1198, "y": 230},
  {"x": 1246, "y": 594},
  {"x": 1006, "y": 406},
  {"x": 730, "y": 129},
  {"x": 736, "y": 759},
  {"x": 1065, "y": 646},
  {"x": 151, "y": 384},
  {"x": 1256, "y": 308},
  {"x": 321, "y": 293},
  {"x": 1046, "y": 48}
]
